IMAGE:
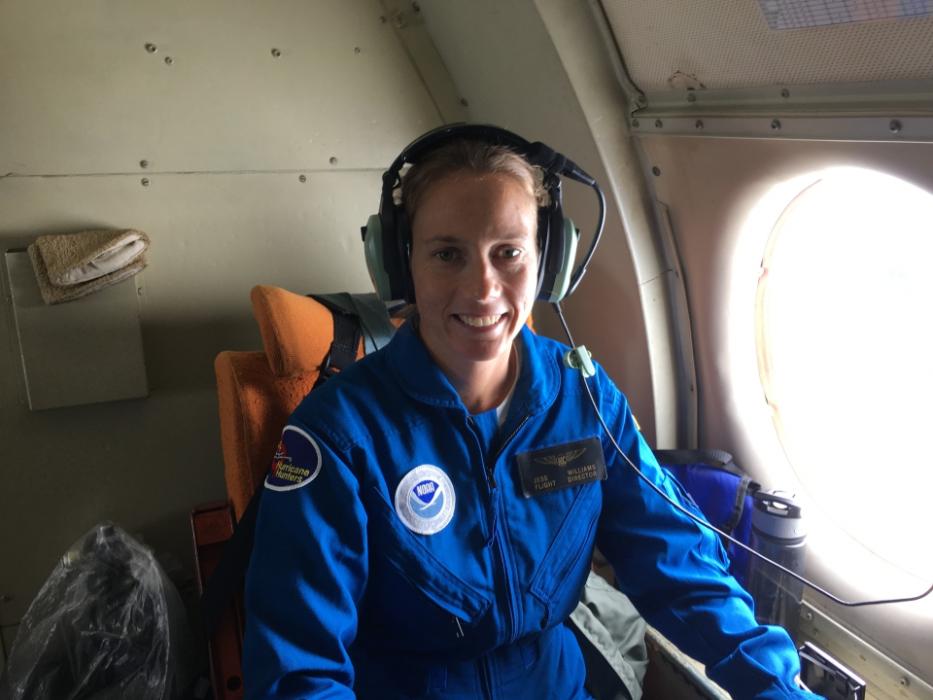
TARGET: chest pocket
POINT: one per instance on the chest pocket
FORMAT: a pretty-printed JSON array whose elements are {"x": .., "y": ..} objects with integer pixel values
[
  {"x": 416, "y": 598},
  {"x": 558, "y": 580}
]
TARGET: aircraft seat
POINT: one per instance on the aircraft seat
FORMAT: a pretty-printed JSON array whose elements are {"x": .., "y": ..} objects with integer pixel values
[{"x": 257, "y": 391}]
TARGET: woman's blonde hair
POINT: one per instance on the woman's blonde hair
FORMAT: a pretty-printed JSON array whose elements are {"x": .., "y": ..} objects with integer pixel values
[{"x": 477, "y": 157}]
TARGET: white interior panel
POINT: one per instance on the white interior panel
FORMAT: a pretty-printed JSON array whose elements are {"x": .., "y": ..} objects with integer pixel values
[
  {"x": 80, "y": 352},
  {"x": 712, "y": 187},
  {"x": 728, "y": 44}
]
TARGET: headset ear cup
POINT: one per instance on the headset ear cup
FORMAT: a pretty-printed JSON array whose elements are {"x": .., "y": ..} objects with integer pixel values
[
  {"x": 560, "y": 261},
  {"x": 374, "y": 248}
]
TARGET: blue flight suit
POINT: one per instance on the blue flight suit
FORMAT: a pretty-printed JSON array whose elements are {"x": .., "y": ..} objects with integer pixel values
[{"x": 397, "y": 557}]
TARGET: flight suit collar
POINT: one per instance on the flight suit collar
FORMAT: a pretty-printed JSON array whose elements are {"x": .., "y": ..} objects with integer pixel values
[{"x": 422, "y": 379}]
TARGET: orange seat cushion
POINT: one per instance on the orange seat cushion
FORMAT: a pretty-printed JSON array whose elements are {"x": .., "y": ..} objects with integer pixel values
[
  {"x": 254, "y": 406},
  {"x": 296, "y": 330}
]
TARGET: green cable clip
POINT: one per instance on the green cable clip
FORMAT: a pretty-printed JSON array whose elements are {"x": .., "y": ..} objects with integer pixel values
[{"x": 582, "y": 359}]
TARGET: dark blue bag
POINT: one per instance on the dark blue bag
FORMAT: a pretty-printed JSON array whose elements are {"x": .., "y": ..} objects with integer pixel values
[{"x": 722, "y": 492}]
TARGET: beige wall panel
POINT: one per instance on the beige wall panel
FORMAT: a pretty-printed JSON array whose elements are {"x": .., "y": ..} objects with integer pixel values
[
  {"x": 710, "y": 185},
  {"x": 145, "y": 463},
  {"x": 226, "y": 129},
  {"x": 517, "y": 81},
  {"x": 81, "y": 94}
]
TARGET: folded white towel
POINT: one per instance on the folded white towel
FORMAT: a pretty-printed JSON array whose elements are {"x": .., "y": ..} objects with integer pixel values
[
  {"x": 57, "y": 294},
  {"x": 80, "y": 257}
]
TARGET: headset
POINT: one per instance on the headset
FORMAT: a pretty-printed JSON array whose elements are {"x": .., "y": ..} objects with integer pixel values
[{"x": 387, "y": 235}]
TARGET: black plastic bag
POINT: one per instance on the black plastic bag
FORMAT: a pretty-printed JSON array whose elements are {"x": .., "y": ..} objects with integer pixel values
[{"x": 107, "y": 624}]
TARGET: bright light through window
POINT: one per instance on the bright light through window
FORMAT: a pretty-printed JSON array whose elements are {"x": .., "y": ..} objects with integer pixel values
[{"x": 845, "y": 349}]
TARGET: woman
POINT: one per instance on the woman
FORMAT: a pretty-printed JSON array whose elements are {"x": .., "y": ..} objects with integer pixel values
[{"x": 431, "y": 513}]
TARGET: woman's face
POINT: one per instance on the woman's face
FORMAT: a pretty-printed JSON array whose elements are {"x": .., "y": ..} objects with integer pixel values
[{"x": 474, "y": 263}]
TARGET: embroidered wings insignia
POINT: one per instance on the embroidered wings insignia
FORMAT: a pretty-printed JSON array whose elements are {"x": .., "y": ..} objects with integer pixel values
[{"x": 561, "y": 460}]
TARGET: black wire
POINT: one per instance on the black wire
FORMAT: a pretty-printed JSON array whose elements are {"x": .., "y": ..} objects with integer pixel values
[
  {"x": 581, "y": 270},
  {"x": 701, "y": 521}
]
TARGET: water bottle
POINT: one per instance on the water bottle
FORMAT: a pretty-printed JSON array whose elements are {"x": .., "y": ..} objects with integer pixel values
[{"x": 778, "y": 532}]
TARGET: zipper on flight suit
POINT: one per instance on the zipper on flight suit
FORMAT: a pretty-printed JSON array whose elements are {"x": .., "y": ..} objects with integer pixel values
[
  {"x": 504, "y": 562},
  {"x": 491, "y": 466},
  {"x": 505, "y": 558}
]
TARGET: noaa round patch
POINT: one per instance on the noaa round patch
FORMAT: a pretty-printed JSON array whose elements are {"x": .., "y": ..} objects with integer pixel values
[
  {"x": 425, "y": 500},
  {"x": 296, "y": 463}
]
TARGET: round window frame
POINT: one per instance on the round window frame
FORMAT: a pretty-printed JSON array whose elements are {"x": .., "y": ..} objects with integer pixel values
[{"x": 781, "y": 210}]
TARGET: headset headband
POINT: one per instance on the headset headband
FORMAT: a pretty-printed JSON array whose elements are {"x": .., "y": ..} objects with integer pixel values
[
  {"x": 537, "y": 153},
  {"x": 387, "y": 236}
]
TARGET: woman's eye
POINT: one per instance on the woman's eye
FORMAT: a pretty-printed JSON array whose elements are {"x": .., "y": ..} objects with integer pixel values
[
  {"x": 446, "y": 255},
  {"x": 511, "y": 253}
]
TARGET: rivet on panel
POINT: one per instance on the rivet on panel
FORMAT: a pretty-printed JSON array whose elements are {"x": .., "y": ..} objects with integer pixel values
[
  {"x": 416, "y": 7},
  {"x": 691, "y": 96},
  {"x": 333, "y": 160},
  {"x": 903, "y": 681},
  {"x": 382, "y": 19},
  {"x": 785, "y": 93},
  {"x": 151, "y": 48},
  {"x": 144, "y": 182},
  {"x": 5, "y": 598},
  {"x": 808, "y": 616},
  {"x": 144, "y": 164},
  {"x": 636, "y": 123},
  {"x": 464, "y": 102},
  {"x": 775, "y": 124},
  {"x": 895, "y": 126},
  {"x": 656, "y": 171},
  {"x": 276, "y": 53},
  {"x": 169, "y": 60},
  {"x": 302, "y": 178},
  {"x": 356, "y": 49},
  {"x": 698, "y": 124},
  {"x": 658, "y": 124}
]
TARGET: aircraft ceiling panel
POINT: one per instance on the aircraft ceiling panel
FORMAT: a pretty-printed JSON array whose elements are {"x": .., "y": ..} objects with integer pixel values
[{"x": 677, "y": 44}]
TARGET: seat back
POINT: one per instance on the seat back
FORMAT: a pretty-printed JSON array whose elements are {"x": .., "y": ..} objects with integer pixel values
[{"x": 257, "y": 391}]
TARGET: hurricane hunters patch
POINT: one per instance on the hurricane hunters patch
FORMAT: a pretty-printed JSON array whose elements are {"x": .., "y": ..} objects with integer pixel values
[
  {"x": 425, "y": 500},
  {"x": 296, "y": 463},
  {"x": 561, "y": 466}
]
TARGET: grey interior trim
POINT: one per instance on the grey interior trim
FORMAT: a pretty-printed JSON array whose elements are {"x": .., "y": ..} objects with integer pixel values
[
  {"x": 886, "y": 678},
  {"x": 633, "y": 94},
  {"x": 682, "y": 333},
  {"x": 910, "y": 96},
  {"x": 894, "y": 127},
  {"x": 603, "y": 103}
]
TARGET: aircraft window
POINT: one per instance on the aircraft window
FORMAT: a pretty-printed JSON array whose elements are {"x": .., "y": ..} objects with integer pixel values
[{"x": 844, "y": 338}]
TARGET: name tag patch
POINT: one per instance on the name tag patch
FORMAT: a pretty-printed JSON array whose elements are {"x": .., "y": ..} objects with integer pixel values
[{"x": 561, "y": 466}]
